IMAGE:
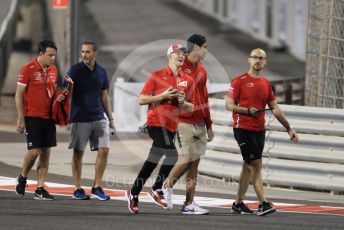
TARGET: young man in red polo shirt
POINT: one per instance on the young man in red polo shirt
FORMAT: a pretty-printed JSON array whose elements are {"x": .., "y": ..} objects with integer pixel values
[
  {"x": 34, "y": 94},
  {"x": 166, "y": 93},
  {"x": 194, "y": 129},
  {"x": 247, "y": 98}
]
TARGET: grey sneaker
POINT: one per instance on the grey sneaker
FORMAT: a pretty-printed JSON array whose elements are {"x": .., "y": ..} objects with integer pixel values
[
  {"x": 168, "y": 194},
  {"x": 194, "y": 209}
]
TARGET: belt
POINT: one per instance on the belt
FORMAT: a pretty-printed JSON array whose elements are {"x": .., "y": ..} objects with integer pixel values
[{"x": 199, "y": 125}]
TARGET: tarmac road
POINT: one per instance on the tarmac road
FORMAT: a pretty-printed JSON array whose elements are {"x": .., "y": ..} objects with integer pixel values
[{"x": 65, "y": 213}]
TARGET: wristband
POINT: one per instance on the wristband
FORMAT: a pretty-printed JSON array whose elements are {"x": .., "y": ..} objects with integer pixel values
[
  {"x": 249, "y": 111},
  {"x": 110, "y": 119}
]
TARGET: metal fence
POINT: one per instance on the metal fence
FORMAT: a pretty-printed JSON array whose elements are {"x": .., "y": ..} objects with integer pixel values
[{"x": 325, "y": 54}]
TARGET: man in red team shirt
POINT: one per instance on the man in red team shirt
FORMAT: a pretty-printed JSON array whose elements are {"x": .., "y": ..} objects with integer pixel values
[
  {"x": 194, "y": 129},
  {"x": 247, "y": 97},
  {"x": 165, "y": 92},
  {"x": 34, "y": 94}
]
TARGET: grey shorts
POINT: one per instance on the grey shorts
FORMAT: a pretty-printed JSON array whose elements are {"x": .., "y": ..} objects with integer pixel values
[
  {"x": 97, "y": 132},
  {"x": 191, "y": 139}
]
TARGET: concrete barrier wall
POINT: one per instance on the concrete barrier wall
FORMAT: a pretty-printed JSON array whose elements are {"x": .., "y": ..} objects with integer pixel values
[
  {"x": 7, "y": 34},
  {"x": 316, "y": 162}
]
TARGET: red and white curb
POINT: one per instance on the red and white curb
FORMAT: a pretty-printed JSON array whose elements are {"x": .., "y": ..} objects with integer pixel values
[{"x": 8, "y": 184}]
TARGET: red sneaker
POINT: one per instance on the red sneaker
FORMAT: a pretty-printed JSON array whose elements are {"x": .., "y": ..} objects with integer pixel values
[
  {"x": 157, "y": 197},
  {"x": 132, "y": 202}
]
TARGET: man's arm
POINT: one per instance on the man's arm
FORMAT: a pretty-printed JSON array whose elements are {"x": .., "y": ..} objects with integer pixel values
[
  {"x": 70, "y": 83},
  {"x": 107, "y": 107},
  {"x": 186, "y": 106},
  {"x": 282, "y": 119},
  {"x": 69, "y": 88},
  {"x": 19, "y": 99},
  {"x": 231, "y": 106},
  {"x": 169, "y": 93}
]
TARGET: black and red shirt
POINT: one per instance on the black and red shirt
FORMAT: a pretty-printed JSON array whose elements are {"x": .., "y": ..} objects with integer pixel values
[{"x": 40, "y": 85}]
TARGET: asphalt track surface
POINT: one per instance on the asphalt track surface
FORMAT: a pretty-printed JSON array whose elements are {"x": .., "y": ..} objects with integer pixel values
[{"x": 65, "y": 213}]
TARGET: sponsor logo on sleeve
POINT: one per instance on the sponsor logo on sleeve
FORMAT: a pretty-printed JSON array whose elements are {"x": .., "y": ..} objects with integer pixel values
[{"x": 231, "y": 89}]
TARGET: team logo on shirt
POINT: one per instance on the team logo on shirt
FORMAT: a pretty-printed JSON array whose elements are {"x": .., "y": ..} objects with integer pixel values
[
  {"x": 187, "y": 70},
  {"x": 183, "y": 84},
  {"x": 38, "y": 76},
  {"x": 231, "y": 89},
  {"x": 250, "y": 84}
]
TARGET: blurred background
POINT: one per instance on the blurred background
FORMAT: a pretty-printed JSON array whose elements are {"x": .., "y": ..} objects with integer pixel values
[{"x": 304, "y": 40}]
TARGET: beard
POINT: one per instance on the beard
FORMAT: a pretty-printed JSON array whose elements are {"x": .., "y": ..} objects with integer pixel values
[{"x": 257, "y": 68}]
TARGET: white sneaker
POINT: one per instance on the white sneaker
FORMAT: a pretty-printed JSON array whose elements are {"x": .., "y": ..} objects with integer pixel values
[
  {"x": 194, "y": 209},
  {"x": 168, "y": 194}
]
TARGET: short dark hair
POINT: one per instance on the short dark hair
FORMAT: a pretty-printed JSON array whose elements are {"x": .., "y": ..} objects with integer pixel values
[
  {"x": 43, "y": 45},
  {"x": 195, "y": 39},
  {"x": 94, "y": 44}
]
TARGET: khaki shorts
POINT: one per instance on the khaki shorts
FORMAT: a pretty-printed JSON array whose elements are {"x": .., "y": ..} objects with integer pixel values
[
  {"x": 97, "y": 132},
  {"x": 191, "y": 139}
]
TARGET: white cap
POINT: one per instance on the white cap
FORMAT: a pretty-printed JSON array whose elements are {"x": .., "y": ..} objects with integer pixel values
[{"x": 175, "y": 47}]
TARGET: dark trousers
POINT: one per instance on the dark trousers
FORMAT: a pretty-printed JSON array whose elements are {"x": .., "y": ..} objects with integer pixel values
[{"x": 162, "y": 145}]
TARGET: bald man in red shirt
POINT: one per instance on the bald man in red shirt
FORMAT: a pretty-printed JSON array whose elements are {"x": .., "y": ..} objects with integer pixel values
[{"x": 247, "y": 98}]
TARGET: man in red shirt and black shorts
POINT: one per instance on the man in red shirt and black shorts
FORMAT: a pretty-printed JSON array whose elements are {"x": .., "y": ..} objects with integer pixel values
[
  {"x": 247, "y": 98},
  {"x": 165, "y": 92},
  {"x": 34, "y": 95}
]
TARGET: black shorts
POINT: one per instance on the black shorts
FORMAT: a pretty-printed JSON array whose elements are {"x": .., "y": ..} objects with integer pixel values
[
  {"x": 163, "y": 144},
  {"x": 251, "y": 143},
  {"x": 40, "y": 132},
  {"x": 162, "y": 138}
]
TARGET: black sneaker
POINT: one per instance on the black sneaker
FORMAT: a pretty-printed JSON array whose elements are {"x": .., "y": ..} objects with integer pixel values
[
  {"x": 20, "y": 186},
  {"x": 42, "y": 194},
  {"x": 241, "y": 208},
  {"x": 265, "y": 208}
]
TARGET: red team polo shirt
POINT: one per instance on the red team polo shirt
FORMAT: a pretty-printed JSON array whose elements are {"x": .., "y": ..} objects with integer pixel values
[
  {"x": 247, "y": 91},
  {"x": 201, "y": 112},
  {"x": 39, "y": 88},
  {"x": 165, "y": 113}
]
